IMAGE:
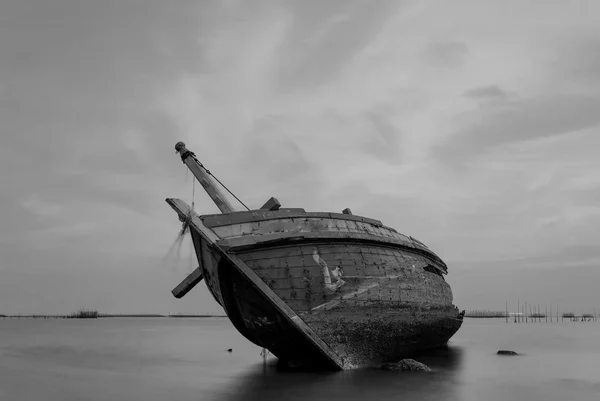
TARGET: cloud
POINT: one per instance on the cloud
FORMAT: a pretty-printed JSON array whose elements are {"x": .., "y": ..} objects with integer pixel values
[
  {"x": 60, "y": 236},
  {"x": 491, "y": 92},
  {"x": 524, "y": 120},
  {"x": 446, "y": 54},
  {"x": 321, "y": 43},
  {"x": 43, "y": 209},
  {"x": 386, "y": 139}
]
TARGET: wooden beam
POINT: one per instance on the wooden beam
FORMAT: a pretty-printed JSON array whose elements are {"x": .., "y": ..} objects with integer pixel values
[
  {"x": 188, "y": 283},
  {"x": 271, "y": 204}
]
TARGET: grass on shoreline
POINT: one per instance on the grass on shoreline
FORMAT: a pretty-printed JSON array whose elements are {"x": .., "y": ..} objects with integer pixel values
[{"x": 94, "y": 314}]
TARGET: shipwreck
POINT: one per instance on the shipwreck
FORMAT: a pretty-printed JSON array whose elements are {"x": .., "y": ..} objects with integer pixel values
[{"x": 319, "y": 290}]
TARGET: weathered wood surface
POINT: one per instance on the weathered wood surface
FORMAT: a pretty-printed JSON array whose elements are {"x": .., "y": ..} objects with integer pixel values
[
  {"x": 387, "y": 307},
  {"x": 184, "y": 211},
  {"x": 378, "y": 332},
  {"x": 389, "y": 293},
  {"x": 271, "y": 204},
  {"x": 188, "y": 283},
  {"x": 204, "y": 178},
  {"x": 247, "y": 242},
  {"x": 310, "y": 224},
  {"x": 369, "y": 272},
  {"x": 209, "y": 263},
  {"x": 257, "y": 320},
  {"x": 216, "y": 220}
]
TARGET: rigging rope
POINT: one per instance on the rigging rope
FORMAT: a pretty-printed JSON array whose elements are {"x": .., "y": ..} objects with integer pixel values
[
  {"x": 191, "y": 252},
  {"x": 223, "y": 185}
]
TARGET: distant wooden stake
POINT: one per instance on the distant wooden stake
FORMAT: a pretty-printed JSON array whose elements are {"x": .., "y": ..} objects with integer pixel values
[
  {"x": 531, "y": 317},
  {"x": 562, "y": 319}
]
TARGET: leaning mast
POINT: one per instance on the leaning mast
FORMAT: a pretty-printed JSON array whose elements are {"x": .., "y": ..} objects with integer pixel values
[{"x": 203, "y": 176}]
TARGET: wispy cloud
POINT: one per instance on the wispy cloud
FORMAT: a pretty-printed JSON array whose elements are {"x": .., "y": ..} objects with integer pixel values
[
  {"x": 446, "y": 54},
  {"x": 524, "y": 120},
  {"x": 490, "y": 92}
]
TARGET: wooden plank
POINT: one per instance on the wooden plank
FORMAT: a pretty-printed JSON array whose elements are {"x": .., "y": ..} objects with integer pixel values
[
  {"x": 215, "y": 220},
  {"x": 249, "y": 242},
  {"x": 188, "y": 283},
  {"x": 239, "y": 243},
  {"x": 271, "y": 204},
  {"x": 184, "y": 210}
]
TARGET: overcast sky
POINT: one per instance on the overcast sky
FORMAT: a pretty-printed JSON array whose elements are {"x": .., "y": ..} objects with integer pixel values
[{"x": 470, "y": 125}]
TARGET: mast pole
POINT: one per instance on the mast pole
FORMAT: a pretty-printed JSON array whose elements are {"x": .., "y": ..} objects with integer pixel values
[{"x": 202, "y": 175}]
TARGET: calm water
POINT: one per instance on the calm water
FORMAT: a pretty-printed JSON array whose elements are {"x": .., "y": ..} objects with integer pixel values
[{"x": 186, "y": 359}]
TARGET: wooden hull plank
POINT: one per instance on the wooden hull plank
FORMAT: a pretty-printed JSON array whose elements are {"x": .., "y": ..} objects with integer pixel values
[
  {"x": 245, "y": 243},
  {"x": 216, "y": 220}
]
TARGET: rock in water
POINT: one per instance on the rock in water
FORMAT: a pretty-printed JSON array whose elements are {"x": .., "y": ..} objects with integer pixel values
[
  {"x": 506, "y": 352},
  {"x": 406, "y": 365}
]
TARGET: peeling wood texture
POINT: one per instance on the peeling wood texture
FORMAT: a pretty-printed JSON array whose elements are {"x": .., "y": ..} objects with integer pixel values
[
  {"x": 268, "y": 241},
  {"x": 369, "y": 273}
]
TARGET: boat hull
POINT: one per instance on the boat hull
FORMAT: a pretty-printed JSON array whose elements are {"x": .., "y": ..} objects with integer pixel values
[{"x": 368, "y": 302}]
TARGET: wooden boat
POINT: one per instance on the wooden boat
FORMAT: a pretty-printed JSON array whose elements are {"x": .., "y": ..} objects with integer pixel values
[{"x": 318, "y": 290}]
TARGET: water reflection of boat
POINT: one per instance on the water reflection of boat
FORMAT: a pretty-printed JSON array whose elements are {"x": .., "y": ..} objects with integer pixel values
[{"x": 318, "y": 290}]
